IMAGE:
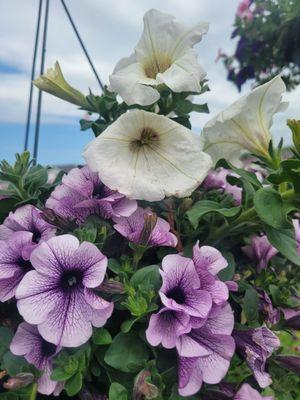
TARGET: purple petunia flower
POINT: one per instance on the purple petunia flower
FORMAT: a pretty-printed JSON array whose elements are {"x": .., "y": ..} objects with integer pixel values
[
  {"x": 260, "y": 251},
  {"x": 246, "y": 392},
  {"x": 58, "y": 297},
  {"x": 82, "y": 194},
  {"x": 256, "y": 345},
  {"x": 13, "y": 264},
  {"x": 28, "y": 342},
  {"x": 181, "y": 288},
  {"x": 195, "y": 318},
  {"x": 205, "y": 352},
  {"x": 296, "y": 223},
  {"x": 133, "y": 228},
  {"x": 217, "y": 180},
  {"x": 27, "y": 218},
  {"x": 166, "y": 326}
]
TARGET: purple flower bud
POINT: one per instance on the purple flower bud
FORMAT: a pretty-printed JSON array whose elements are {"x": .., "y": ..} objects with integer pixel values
[
  {"x": 260, "y": 251},
  {"x": 112, "y": 287},
  {"x": 289, "y": 362}
]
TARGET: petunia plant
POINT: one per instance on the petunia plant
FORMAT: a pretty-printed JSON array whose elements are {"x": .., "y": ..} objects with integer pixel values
[{"x": 167, "y": 266}]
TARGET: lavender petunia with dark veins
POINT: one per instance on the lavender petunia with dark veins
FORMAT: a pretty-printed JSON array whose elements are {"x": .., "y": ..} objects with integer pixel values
[
  {"x": 134, "y": 228},
  {"x": 28, "y": 342},
  {"x": 196, "y": 318},
  {"x": 58, "y": 295},
  {"x": 217, "y": 180},
  {"x": 27, "y": 218},
  {"x": 260, "y": 251},
  {"x": 13, "y": 263},
  {"x": 256, "y": 346},
  {"x": 82, "y": 194}
]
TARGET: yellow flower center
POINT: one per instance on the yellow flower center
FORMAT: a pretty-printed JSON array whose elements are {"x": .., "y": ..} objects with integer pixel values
[{"x": 158, "y": 63}]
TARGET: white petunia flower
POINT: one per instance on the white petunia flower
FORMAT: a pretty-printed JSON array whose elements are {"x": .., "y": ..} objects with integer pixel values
[
  {"x": 146, "y": 156},
  {"x": 245, "y": 124},
  {"x": 164, "y": 55}
]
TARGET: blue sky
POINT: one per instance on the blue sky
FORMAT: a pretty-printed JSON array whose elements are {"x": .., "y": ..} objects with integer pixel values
[{"x": 110, "y": 30}]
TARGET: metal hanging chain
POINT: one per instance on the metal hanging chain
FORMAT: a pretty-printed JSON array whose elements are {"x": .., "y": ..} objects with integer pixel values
[
  {"x": 82, "y": 44},
  {"x": 39, "y": 106},
  {"x": 33, "y": 75}
]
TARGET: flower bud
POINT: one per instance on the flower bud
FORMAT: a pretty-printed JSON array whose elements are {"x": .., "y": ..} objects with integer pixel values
[
  {"x": 112, "y": 287},
  {"x": 142, "y": 388},
  {"x": 53, "y": 82},
  {"x": 19, "y": 381},
  {"x": 289, "y": 362},
  {"x": 294, "y": 126},
  {"x": 150, "y": 220}
]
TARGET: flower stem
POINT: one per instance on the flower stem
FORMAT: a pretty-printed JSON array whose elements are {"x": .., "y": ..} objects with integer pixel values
[
  {"x": 245, "y": 217},
  {"x": 33, "y": 392}
]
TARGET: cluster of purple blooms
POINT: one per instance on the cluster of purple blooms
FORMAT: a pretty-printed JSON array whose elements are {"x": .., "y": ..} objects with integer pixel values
[
  {"x": 195, "y": 317},
  {"x": 52, "y": 278}
]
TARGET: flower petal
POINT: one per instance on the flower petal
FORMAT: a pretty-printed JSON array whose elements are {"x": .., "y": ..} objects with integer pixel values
[
  {"x": 190, "y": 376},
  {"x": 208, "y": 258}
]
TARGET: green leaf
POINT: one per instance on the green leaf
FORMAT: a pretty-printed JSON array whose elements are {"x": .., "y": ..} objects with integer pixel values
[
  {"x": 74, "y": 384},
  {"x": 284, "y": 241},
  {"x": 117, "y": 392},
  {"x": 14, "y": 364},
  {"x": 127, "y": 353},
  {"x": 148, "y": 277},
  {"x": 203, "y": 207},
  {"x": 60, "y": 374},
  {"x": 246, "y": 175},
  {"x": 289, "y": 172},
  {"x": 227, "y": 273},
  {"x": 101, "y": 336},
  {"x": 127, "y": 325},
  {"x": 250, "y": 306},
  {"x": 269, "y": 207}
]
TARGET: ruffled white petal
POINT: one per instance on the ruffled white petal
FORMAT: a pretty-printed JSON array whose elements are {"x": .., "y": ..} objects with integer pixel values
[
  {"x": 172, "y": 165},
  {"x": 245, "y": 124}
]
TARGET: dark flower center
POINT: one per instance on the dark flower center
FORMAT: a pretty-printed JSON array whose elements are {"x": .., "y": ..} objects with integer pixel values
[
  {"x": 36, "y": 235},
  {"x": 71, "y": 279},
  {"x": 177, "y": 294},
  {"x": 148, "y": 137},
  {"x": 48, "y": 349},
  {"x": 25, "y": 265},
  {"x": 98, "y": 191}
]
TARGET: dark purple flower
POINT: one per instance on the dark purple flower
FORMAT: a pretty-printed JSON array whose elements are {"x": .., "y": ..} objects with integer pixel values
[
  {"x": 246, "y": 392},
  {"x": 217, "y": 180},
  {"x": 296, "y": 223},
  {"x": 13, "y": 264},
  {"x": 82, "y": 194},
  {"x": 58, "y": 297},
  {"x": 205, "y": 353},
  {"x": 260, "y": 251},
  {"x": 27, "y": 218},
  {"x": 292, "y": 318},
  {"x": 256, "y": 345},
  {"x": 134, "y": 229},
  {"x": 28, "y": 342}
]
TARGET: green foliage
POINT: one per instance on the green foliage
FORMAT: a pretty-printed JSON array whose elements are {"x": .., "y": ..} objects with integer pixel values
[
  {"x": 117, "y": 392},
  {"x": 268, "y": 44},
  {"x": 127, "y": 353}
]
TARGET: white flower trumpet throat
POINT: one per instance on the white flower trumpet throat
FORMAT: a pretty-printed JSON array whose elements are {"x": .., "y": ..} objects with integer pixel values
[
  {"x": 146, "y": 156},
  {"x": 245, "y": 124}
]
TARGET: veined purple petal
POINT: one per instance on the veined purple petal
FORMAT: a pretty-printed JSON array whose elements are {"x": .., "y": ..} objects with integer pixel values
[
  {"x": 209, "y": 259},
  {"x": 190, "y": 376},
  {"x": 246, "y": 392},
  {"x": 166, "y": 326},
  {"x": 260, "y": 251},
  {"x": 27, "y": 342},
  {"x": 56, "y": 296}
]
